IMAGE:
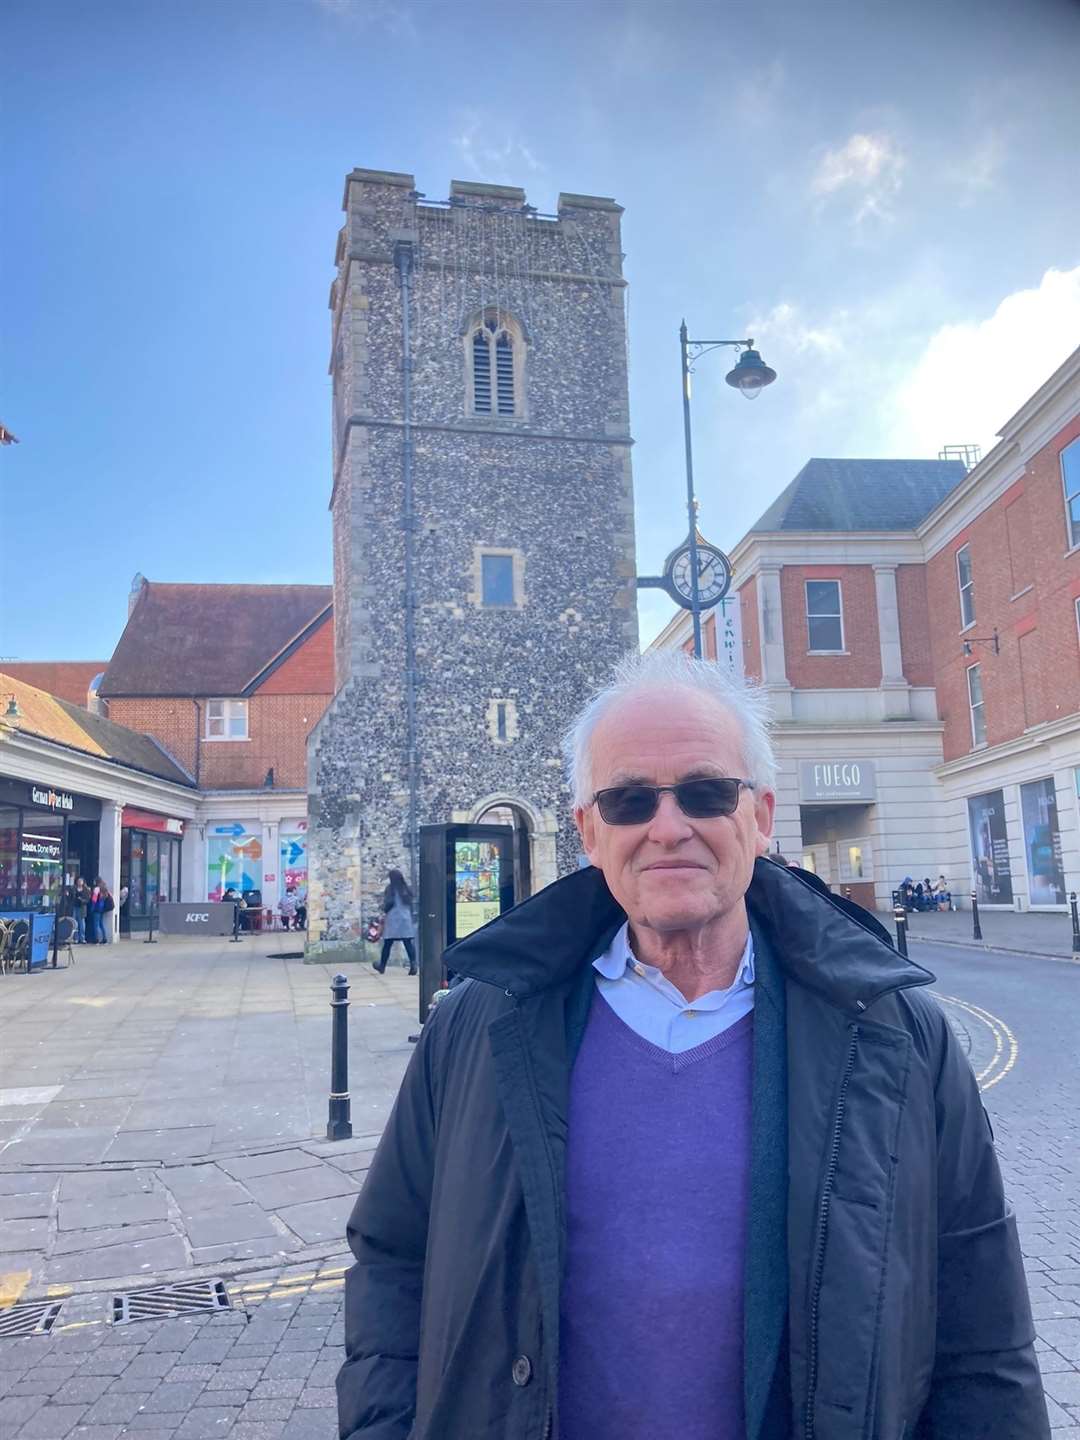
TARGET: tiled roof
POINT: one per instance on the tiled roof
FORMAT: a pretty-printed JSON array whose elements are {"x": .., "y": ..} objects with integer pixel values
[
  {"x": 69, "y": 679},
  {"x": 49, "y": 718},
  {"x": 208, "y": 640},
  {"x": 861, "y": 495}
]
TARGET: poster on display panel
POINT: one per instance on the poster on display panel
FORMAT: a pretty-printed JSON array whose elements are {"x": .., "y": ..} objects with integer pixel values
[{"x": 990, "y": 866}]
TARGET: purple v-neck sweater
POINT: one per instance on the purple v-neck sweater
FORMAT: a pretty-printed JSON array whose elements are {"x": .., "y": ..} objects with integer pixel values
[{"x": 657, "y": 1184}]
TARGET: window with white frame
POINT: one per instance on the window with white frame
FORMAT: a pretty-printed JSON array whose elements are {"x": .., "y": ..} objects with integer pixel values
[
  {"x": 226, "y": 720},
  {"x": 967, "y": 586},
  {"x": 977, "y": 705},
  {"x": 1070, "y": 480},
  {"x": 824, "y": 616},
  {"x": 494, "y": 359}
]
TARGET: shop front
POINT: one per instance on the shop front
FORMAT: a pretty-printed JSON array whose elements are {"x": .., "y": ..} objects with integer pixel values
[
  {"x": 48, "y": 838},
  {"x": 836, "y": 815},
  {"x": 150, "y": 846}
]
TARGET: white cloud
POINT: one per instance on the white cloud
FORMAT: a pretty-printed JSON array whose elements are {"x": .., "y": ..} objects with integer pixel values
[
  {"x": 390, "y": 15},
  {"x": 491, "y": 154},
  {"x": 867, "y": 168},
  {"x": 972, "y": 377}
]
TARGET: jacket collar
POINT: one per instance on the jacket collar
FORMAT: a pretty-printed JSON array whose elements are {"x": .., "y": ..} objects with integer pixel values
[{"x": 547, "y": 939}]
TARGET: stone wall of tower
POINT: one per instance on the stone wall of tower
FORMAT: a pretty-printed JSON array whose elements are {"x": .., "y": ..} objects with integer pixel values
[{"x": 553, "y": 486}]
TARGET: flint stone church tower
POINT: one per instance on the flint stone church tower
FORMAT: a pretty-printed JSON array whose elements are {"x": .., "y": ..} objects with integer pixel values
[{"x": 484, "y": 571}]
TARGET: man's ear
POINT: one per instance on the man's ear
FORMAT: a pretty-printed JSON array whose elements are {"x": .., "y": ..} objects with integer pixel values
[
  {"x": 764, "y": 814},
  {"x": 585, "y": 820}
]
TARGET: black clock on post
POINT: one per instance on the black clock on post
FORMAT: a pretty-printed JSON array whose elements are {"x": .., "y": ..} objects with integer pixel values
[{"x": 713, "y": 575}]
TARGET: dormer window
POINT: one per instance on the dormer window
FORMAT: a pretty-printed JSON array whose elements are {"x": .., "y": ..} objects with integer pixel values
[{"x": 495, "y": 354}]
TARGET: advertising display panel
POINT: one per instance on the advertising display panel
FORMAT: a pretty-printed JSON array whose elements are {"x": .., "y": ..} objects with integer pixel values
[
  {"x": 990, "y": 848},
  {"x": 1042, "y": 843}
]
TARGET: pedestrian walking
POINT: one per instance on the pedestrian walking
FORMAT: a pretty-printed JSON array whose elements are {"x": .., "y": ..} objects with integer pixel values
[
  {"x": 301, "y": 910},
  {"x": 688, "y": 1151},
  {"x": 80, "y": 902},
  {"x": 398, "y": 925}
]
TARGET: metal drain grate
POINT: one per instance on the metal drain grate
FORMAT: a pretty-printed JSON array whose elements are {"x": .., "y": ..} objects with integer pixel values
[
  {"x": 182, "y": 1299},
  {"x": 33, "y": 1317}
]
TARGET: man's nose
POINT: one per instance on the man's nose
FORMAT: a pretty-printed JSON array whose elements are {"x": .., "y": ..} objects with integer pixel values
[{"x": 669, "y": 824}]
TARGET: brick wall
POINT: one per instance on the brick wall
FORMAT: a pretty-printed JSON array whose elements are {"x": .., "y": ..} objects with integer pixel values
[
  {"x": 309, "y": 670},
  {"x": 860, "y": 667},
  {"x": 914, "y": 608},
  {"x": 1036, "y": 677},
  {"x": 171, "y": 721},
  {"x": 751, "y": 635},
  {"x": 278, "y": 727}
]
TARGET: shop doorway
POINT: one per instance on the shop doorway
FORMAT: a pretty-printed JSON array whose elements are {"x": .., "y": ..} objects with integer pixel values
[
  {"x": 838, "y": 847},
  {"x": 82, "y": 851}
]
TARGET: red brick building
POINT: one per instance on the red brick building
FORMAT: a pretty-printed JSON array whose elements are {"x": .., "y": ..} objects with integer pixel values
[
  {"x": 230, "y": 680},
  {"x": 70, "y": 680},
  {"x": 917, "y": 626}
]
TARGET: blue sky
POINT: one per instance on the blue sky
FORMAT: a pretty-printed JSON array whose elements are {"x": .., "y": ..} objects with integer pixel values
[{"x": 884, "y": 196}]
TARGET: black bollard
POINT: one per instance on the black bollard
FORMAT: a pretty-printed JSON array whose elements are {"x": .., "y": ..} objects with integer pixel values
[
  {"x": 150, "y": 937},
  {"x": 976, "y": 928},
  {"x": 900, "y": 916},
  {"x": 235, "y": 925},
  {"x": 1076, "y": 923},
  {"x": 339, "y": 1123}
]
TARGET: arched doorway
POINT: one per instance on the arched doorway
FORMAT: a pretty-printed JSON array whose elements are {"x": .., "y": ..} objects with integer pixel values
[{"x": 534, "y": 839}]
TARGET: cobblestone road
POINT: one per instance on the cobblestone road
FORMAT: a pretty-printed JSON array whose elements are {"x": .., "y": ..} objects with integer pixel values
[{"x": 265, "y": 1370}]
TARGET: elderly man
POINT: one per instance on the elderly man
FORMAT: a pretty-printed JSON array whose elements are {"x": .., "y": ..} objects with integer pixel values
[{"x": 689, "y": 1155}]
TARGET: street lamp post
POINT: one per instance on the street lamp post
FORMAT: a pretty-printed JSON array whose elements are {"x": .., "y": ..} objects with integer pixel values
[{"x": 750, "y": 376}]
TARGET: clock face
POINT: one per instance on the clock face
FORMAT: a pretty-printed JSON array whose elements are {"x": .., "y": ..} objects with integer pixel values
[{"x": 714, "y": 575}]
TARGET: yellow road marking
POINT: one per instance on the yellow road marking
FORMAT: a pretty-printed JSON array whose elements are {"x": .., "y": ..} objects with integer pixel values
[
  {"x": 12, "y": 1285},
  {"x": 334, "y": 1284},
  {"x": 1003, "y": 1037},
  {"x": 54, "y": 1292}
]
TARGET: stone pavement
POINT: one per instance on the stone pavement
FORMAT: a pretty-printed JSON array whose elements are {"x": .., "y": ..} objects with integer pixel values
[
  {"x": 1029, "y": 933},
  {"x": 163, "y": 1111},
  {"x": 262, "y": 1371}
]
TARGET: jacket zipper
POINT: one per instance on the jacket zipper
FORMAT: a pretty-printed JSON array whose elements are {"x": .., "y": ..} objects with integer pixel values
[
  {"x": 823, "y": 1225},
  {"x": 547, "y": 1426}
]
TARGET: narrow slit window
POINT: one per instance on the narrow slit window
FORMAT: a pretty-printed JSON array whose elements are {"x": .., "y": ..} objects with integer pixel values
[
  {"x": 500, "y": 720},
  {"x": 497, "y": 580}
]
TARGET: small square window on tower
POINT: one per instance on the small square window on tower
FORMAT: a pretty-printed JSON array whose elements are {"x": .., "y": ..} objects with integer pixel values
[{"x": 497, "y": 578}]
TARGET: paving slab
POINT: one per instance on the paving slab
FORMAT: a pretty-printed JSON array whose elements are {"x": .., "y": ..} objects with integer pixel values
[
  {"x": 144, "y": 1257},
  {"x": 269, "y": 1164},
  {"x": 319, "y": 1219},
  {"x": 237, "y": 1222},
  {"x": 160, "y": 1144},
  {"x": 73, "y": 1242},
  {"x": 293, "y": 1187},
  {"x": 128, "y": 1209}
]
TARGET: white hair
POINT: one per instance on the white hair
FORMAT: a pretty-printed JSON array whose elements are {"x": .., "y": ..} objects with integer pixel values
[{"x": 660, "y": 672}]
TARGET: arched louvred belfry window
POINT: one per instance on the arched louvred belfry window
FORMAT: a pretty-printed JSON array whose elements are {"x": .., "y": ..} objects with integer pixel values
[{"x": 495, "y": 355}]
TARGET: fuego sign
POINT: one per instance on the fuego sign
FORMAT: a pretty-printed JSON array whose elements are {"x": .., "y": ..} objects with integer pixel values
[
  {"x": 52, "y": 799},
  {"x": 832, "y": 780}
]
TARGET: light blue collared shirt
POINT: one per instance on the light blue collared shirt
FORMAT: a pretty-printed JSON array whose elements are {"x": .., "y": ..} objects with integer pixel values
[{"x": 645, "y": 1000}]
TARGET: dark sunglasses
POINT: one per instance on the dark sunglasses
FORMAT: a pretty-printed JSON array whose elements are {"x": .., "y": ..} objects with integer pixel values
[{"x": 705, "y": 799}]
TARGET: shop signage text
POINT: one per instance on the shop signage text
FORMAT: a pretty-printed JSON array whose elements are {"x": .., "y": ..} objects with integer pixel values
[
  {"x": 40, "y": 847},
  {"x": 52, "y": 799},
  {"x": 824, "y": 780}
]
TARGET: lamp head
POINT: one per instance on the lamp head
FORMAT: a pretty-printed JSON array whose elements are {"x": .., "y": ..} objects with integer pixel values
[{"x": 751, "y": 374}]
